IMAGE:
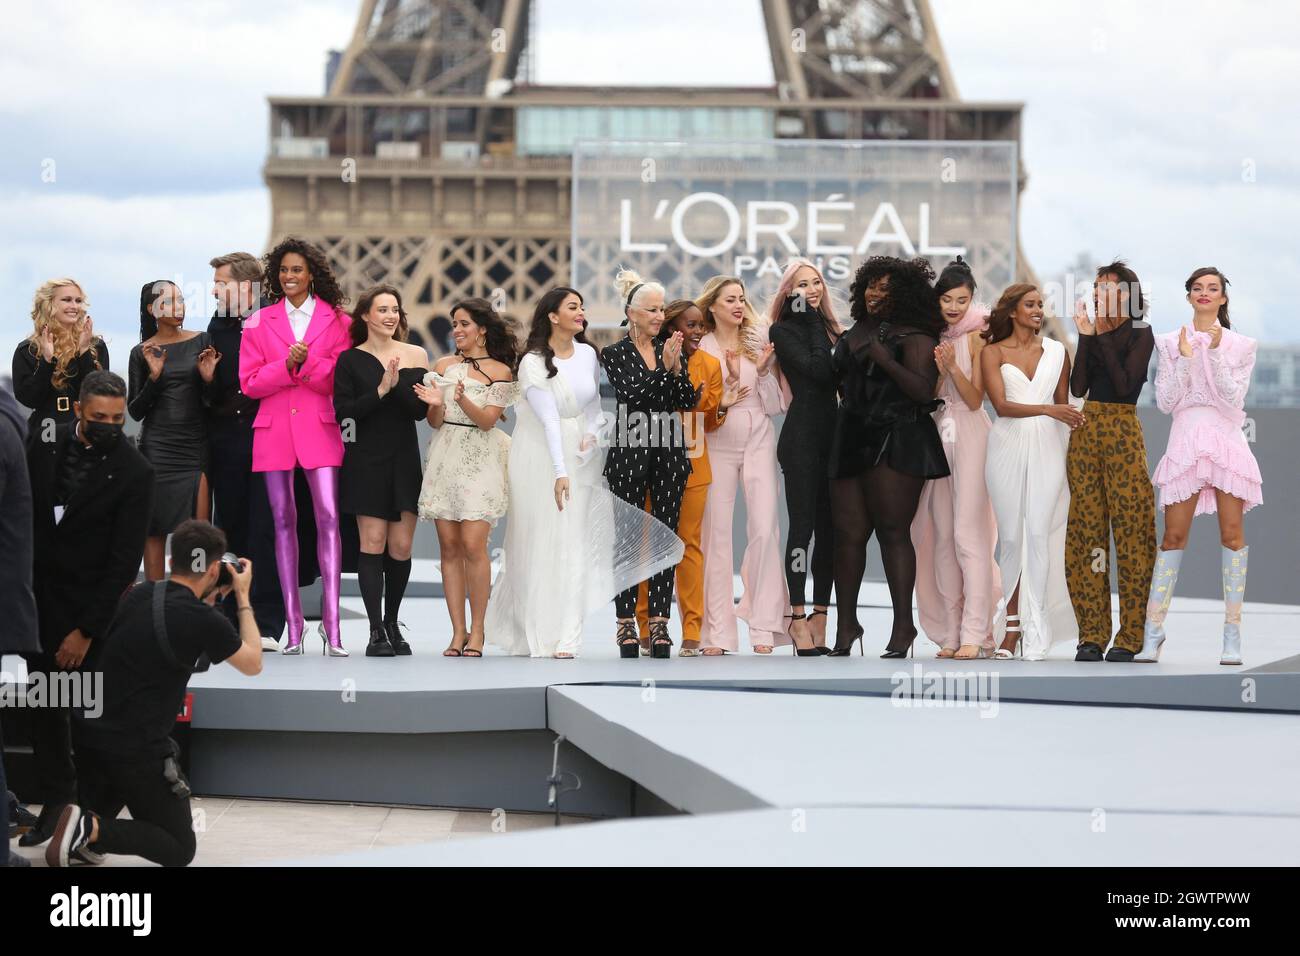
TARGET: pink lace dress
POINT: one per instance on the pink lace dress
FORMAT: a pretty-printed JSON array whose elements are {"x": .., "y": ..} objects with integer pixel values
[{"x": 1206, "y": 394}]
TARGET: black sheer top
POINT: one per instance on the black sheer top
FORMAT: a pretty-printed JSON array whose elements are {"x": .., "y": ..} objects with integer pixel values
[{"x": 1112, "y": 366}]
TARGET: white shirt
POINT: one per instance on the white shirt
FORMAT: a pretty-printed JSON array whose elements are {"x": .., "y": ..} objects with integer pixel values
[
  {"x": 581, "y": 371},
  {"x": 300, "y": 317}
]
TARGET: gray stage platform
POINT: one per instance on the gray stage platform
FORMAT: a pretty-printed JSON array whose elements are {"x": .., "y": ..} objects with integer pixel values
[{"x": 1180, "y": 747}]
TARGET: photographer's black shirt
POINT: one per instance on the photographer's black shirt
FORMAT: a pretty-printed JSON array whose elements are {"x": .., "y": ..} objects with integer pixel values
[{"x": 143, "y": 692}]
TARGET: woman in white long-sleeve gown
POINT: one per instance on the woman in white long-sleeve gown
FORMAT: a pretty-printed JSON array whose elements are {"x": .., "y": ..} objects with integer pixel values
[
  {"x": 1028, "y": 382},
  {"x": 570, "y": 544}
]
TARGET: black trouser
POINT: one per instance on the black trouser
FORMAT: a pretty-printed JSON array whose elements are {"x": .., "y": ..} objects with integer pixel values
[
  {"x": 664, "y": 480},
  {"x": 808, "y": 502},
  {"x": 242, "y": 511},
  {"x": 161, "y": 828},
  {"x": 51, "y": 728}
]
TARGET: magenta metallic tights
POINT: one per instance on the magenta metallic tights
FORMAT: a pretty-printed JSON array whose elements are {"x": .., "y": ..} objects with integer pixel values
[{"x": 324, "y": 485}]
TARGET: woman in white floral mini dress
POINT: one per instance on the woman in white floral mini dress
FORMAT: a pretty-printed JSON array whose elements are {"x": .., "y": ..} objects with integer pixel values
[{"x": 465, "y": 489}]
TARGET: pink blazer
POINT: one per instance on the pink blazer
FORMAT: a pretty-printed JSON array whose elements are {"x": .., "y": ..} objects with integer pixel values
[{"x": 295, "y": 422}]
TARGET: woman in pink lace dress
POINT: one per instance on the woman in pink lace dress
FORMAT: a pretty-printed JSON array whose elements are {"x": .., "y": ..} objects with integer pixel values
[{"x": 1203, "y": 376}]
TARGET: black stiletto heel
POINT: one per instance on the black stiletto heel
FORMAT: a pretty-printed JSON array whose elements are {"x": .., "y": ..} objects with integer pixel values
[
  {"x": 629, "y": 644},
  {"x": 890, "y": 655},
  {"x": 821, "y": 648},
  {"x": 801, "y": 651},
  {"x": 661, "y": 645},
  {"x": 845, "y": 650}
]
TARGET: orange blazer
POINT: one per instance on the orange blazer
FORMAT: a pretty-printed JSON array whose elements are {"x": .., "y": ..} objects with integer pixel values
[{"x": 706, "y": 374}]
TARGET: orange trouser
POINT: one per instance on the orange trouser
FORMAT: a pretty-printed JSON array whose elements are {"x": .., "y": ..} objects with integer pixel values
[{"x": 690, "y": 572}]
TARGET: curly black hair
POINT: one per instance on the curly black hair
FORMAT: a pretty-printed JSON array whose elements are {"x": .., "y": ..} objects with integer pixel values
[
  {"x": 323, "y": 284},
  {"x": 500, "y": 338},
  {"x": 911, "y": 300}
]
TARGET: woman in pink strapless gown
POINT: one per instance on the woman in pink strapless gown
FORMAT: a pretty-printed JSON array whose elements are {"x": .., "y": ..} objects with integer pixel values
[
  {"x": 1208, "y": 467},
  {"x": 957, "y": 580}
]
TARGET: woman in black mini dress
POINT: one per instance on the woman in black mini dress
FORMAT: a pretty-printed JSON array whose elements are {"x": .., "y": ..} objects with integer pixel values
[
  {"x": 377, "y": 408},
  {"x": 886, "y": 444}
]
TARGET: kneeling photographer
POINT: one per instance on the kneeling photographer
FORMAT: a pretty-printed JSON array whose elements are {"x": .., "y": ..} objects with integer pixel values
[{"x": 162, "y": 632}]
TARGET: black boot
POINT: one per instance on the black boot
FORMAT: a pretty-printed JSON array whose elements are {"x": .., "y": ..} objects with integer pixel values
[{"x": 400, "y": 647}]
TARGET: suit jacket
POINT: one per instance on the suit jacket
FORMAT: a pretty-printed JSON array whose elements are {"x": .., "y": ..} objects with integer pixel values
[
  {"x": 645, "y": 398},
  {"x": 88, "y": 559},
  {"x": 706, "y": 375},
  {"x": 17, "y": 602},
  {"x": 295, "y": 423}
]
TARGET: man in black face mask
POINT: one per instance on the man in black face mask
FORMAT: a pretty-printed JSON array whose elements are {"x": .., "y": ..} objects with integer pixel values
[{"x": 92, "y": 492}]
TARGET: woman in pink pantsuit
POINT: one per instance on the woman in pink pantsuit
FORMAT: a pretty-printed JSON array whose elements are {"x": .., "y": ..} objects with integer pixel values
[
  {"x": 286, "y": 360},
  {"x": 742, "y": 450},
  {"x": 954, "y": 532}
]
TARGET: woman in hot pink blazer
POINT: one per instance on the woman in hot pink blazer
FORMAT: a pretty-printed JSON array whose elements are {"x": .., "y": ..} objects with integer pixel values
[{"x": 286, "y": 360}]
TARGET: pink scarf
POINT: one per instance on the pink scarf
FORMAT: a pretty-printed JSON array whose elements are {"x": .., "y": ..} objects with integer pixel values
[{"x": 976, "y": 317}]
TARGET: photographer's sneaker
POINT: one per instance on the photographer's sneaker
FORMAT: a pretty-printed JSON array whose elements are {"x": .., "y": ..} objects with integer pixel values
[{"x": 71, "y": 836}]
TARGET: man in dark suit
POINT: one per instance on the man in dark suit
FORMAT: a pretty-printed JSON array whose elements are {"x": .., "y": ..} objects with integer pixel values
[
  {"x": 92, "y": 492},
  {"x": 241, "y": 507},
  {"x": 17, "y": 604}
]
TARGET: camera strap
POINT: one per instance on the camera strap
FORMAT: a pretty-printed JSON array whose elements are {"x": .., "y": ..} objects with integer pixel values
[{"x": 160, "y": 628}]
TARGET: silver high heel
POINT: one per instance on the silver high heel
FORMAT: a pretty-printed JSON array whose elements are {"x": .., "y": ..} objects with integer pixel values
[
  {"x": 292, "y": 648},
  {"x": 1234, "y": 592},
  {"x": 1002, "y": 654},
  {"x": 1163, "y": 579},
  {"x": 328, "y": 649}
]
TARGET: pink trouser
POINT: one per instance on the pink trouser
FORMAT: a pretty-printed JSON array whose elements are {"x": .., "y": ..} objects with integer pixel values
[{"x": 744, "y": 451}]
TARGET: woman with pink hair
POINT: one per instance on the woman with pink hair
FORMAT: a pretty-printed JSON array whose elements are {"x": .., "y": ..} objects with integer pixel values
[
  {"x": 803, "y": 330},
  {"x": 957, "y": 580}
]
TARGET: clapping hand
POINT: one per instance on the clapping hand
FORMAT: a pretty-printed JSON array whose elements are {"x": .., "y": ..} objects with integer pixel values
[
  {"x": 389, "y": 380},
  {"x": 431, "y": 395},
  {"x": 297, "y": 354},
  {"x": 673, "y": 352},
  {"x": 732, "y": 361},
  {"x": 1184, "y": 346},
  {"x": 1216, "y": 334},
  {"x": 766, "y": 358},
  {"x": 1082, "y": 322},
  {"x": 87, "y": 337},
  {"x": 207, "y": 363},
  {"x": 944, "y": 357},
  {"x": 156, "y": 357},
  {"x": 733, "y": 394},
  {"x": 47, "y": 344}
]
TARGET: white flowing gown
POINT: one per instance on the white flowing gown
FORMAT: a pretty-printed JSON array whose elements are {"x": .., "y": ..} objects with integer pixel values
[
  {"x": 560, "y": 565},
  {"x": 1025, "y": 473}
]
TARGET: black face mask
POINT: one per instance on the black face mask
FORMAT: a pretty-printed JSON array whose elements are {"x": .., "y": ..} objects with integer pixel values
[{"x": 103, "y": 436}]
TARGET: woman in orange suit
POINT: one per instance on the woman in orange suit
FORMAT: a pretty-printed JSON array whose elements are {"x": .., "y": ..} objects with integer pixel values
[{"x": 705, "y": 373}]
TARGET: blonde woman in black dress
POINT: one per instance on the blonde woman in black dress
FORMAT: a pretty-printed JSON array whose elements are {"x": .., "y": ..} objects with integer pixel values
[{"x": 377, "y": 408}]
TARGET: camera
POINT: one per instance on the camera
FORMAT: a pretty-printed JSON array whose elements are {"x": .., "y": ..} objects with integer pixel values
[{"x": 229, "y": 560}]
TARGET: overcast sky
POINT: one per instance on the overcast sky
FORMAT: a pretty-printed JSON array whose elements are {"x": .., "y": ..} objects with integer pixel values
[{"x": 1163, "y": 131}]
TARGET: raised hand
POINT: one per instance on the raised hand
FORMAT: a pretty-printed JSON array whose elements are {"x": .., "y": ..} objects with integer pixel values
[
  {"x": 673, "y": 351},
  {"x": 1082, "y": 322},
  {"x": 731, "y": 359},
  {"x": 389, "y": 380},
  {"x": 207, "y": 363},
  {"x": 431, "y": 395},
  {"x": 1184, "y": 346},
  {"x": 156, "y": 357},
  {"x": 87, "y": 337},
  {"x": 47, "y": 344}
]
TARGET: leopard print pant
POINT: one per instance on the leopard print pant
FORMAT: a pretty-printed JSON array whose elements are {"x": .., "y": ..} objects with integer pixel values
[{"x": 1110, "y": 493}]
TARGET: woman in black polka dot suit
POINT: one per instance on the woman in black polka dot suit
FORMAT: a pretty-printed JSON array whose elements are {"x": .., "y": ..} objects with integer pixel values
[{"x": 647, "y": 454}]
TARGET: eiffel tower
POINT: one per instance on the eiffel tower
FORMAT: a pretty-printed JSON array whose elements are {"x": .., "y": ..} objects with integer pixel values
[{"x": 435, "y": 163}]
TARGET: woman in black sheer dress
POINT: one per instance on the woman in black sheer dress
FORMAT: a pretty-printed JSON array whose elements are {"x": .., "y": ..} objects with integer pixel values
[{"x": 886, "y": 444}]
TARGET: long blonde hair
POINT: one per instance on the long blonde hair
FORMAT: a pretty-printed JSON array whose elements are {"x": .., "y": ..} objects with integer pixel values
[
  {"x": 65, "y": 338},
  {"x": 753, "y": 330}
]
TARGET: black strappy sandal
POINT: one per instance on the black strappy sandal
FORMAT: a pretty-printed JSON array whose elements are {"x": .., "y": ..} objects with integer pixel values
[
  {"x": 628, "y": 641},
  {"x": 661, "y": 645},
  {"x": 821, "y": 648},
  {"x": 801, "y": 651}
]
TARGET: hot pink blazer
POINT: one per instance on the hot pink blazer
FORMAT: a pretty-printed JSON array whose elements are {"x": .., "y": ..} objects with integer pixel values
[{"x": 295, "y": 422}]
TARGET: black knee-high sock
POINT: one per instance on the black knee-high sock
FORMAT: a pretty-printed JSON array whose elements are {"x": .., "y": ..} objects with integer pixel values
[
  {"x": 370, "y": 576},
  {"x": 396, "y": 574}
]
